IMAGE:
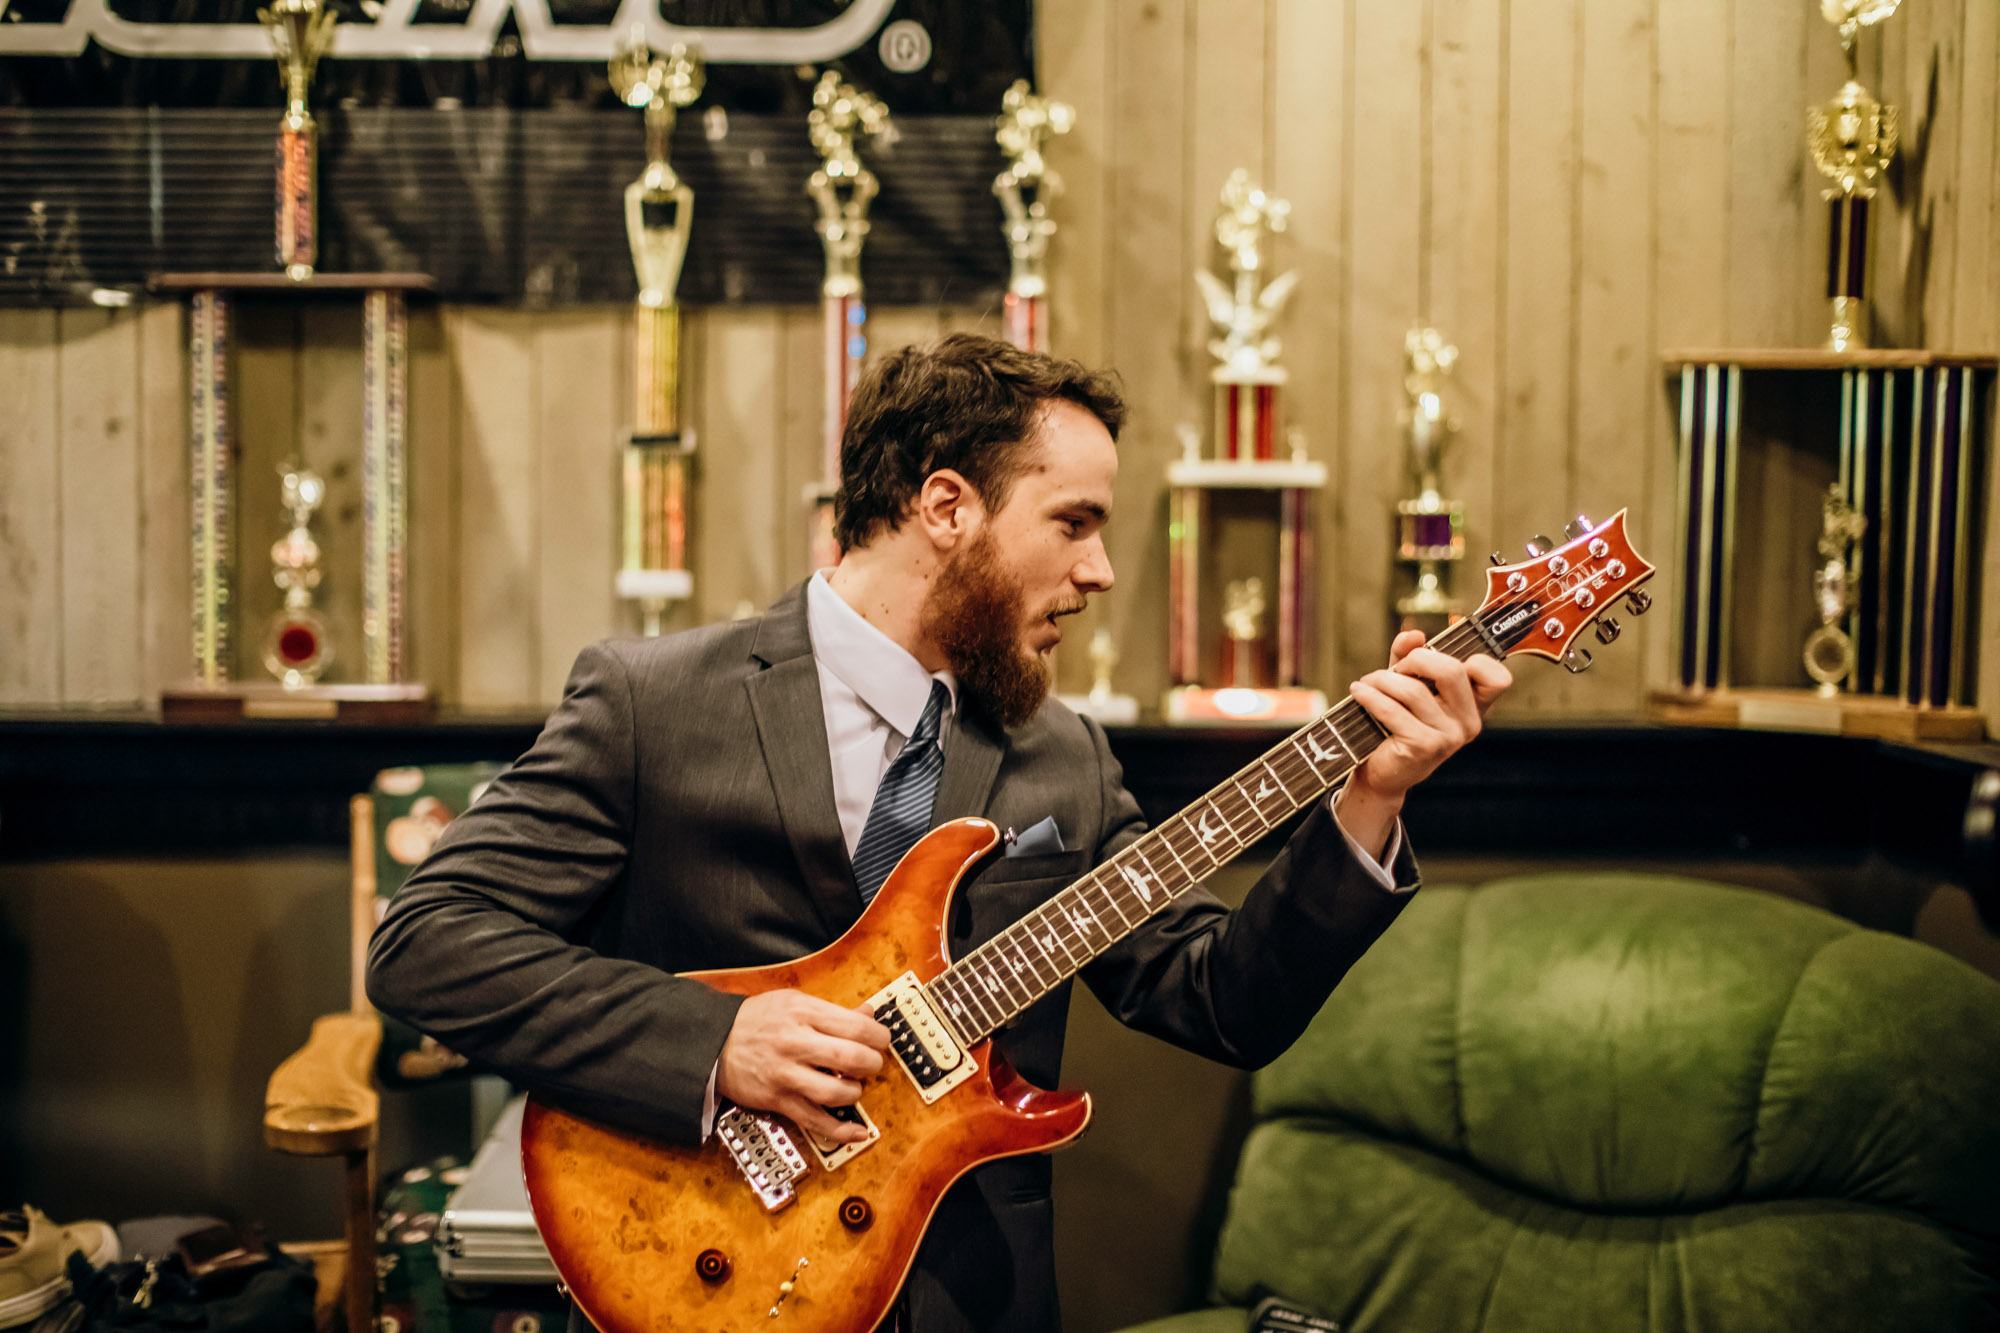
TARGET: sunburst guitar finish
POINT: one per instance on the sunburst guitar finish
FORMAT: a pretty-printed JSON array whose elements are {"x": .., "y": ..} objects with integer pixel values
[{"x": 651, "y": 1237}]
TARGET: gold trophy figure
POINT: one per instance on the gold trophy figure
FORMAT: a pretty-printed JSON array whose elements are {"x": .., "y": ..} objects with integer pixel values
[
  {"x": 1829, "y": 652},
  {"x": 659, "y": 213},
  {"x": 842, "y": 188},
  {"x": 1852, "y": 138},
  {"x": 1243, "y": 619},
  {"x": 1024, "y": 189},
  {"x": 296, "y": 649},
  {"x": 301, "y": 31},
  {"x": 1431, "y": 529}
]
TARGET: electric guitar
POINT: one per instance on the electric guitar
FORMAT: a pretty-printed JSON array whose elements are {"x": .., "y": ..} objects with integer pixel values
[{"x": 764, "y": 1226}]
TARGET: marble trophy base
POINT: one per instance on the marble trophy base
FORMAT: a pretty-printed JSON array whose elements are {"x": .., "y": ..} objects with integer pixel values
[
  {"x": 1194, "y": 705},
  {"x": 1113, "y": 710},
  {"x": 1841, "y": 714},
  {"x": 255, "y": 701}
]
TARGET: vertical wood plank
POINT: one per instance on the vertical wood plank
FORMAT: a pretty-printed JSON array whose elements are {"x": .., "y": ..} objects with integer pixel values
[
  {"x": 166, "y": 594},
  {"x": 97, "y": 379},
  {"x": 892, "y": 328},
  {"x": 1148, "y": 289},
  {"x": 1942, "y": 69},
  {"x": 1771, "y": 278},
  {"x": 742, "y": 419},
  {"x": 578, "y": 460},
  {"x": 329, "y": 442},
  {"x": 1074, "y": 43},
  {"x": 1976, "y": 317},
  {"x": 1691, "y": 176},
  {"x": 1617, "y": 380},
  {"x": 1535, "y": 485},
  {"x": 500, "y": 535},
  {"x": 433, "y": 501},
  {"x": 265, "y": 407},
  {"x": 800, "y": 376},
  {"x": 1382, "y": 290},
  {"x": 31, "y": 543},
  {"x": 1462, "y": 263}
]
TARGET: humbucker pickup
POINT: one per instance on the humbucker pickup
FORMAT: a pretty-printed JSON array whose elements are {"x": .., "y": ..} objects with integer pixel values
[
  {"x": 764, "y": 1153},
  {"x": 921, "y": 1042}
]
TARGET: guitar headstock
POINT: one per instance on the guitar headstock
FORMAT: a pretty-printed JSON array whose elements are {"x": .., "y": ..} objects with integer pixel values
[{"x": 1544, "y": 604}]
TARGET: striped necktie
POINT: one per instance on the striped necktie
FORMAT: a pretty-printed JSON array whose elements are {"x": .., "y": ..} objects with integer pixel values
[{"x": 901, "y": 813}]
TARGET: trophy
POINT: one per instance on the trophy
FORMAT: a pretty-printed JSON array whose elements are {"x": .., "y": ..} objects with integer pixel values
[
  {"x": 296, "y": 649},
  {"x": 1024, "y": 190},
  {"x": 1430, "y": 530},
  {"x": 1103, "y": 702},
  {"x": 301, "y": 31},
  {"x": 842, "y": 189},
  {"x": 1245, "y": 460},
  {"x": 659, "y": 211},
  {"x": 1829, "y": 651},
  {"x": 1852, "y": 138}
]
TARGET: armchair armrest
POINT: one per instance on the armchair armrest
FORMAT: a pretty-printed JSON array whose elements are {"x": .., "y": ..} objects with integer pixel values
[{"x": 321, "y": 1100}]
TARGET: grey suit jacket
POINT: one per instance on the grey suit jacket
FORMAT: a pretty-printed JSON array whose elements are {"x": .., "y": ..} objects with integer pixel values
[{"x": 677, "y": 813}]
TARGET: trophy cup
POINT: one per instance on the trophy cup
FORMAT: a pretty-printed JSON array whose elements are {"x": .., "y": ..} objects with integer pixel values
[
  {"x": 659, "y": 211},
  {"x": 301, "y": 31},
  {"x": 1103, "y": 702},
  {"x": 1024, "y": 190},
  {"x": 1852, "y": 138},
  {"x": 1430, "y": 530},
  {"x": 842, "y": 189},
  {"x": 1829, "y": 651},
  {"x": 296, "y": 649},
  {"x": 1244, "y": 440}
]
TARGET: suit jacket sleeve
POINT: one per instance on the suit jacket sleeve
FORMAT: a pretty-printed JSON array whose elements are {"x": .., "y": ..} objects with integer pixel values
[
  {"x": 1239, "y": 987},
  {"x": 483, "y": 947}
]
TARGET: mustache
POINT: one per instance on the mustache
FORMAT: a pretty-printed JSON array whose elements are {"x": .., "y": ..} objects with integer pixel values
[{"x": 1066, "y": 608}]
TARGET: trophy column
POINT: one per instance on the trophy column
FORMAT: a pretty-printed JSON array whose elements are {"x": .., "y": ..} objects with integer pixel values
[
  {"x": 1248, "y": 682},
  {"x": 1024, "y": 190},
  {"x": 842, "y": 189},
  {"x": 1430, "y": 529},
  {"x": 659, "y": 213},
  {"x": 1851, "y": 138}
]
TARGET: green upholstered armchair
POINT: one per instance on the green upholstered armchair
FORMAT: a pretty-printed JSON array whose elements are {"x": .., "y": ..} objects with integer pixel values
[{"x": 1621, "y": 1102}]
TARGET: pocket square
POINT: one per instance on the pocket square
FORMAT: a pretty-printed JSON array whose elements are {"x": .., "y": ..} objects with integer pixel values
[{"x": 1037, "y": 840}]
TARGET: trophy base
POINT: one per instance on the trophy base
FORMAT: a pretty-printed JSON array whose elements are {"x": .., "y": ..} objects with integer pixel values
[
  {"x": 1841, "y": 714},
  {"x": 655, "y": 585},
  {"x": 1113, "y": 710},
  {"x": 265, "y": 701},
  {"x": 1192, "y": 705}
]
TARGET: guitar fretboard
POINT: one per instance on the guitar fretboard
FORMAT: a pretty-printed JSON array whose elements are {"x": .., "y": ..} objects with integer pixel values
[{"x": 983, "y": 991}]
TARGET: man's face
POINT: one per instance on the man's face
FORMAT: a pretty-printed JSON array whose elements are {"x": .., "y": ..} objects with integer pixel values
[{"x": 998, "y": 599}]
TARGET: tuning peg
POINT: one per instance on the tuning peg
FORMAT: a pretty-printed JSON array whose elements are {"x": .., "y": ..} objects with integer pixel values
[
  {"x": 1576, "y": 661},
  {"x": 1578, "y": 526},
  {"x": 1607, "y": 630},
  {"x": 1497, "y": 558},
  {"x": 1638, "y": 602},
  {"x": 1540, "y": 545}
]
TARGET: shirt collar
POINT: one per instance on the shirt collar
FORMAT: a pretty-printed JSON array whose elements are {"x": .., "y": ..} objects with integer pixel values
[{"x": 878, "y": 669}]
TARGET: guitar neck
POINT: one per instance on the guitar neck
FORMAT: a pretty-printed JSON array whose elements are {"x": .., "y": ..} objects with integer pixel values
[{"x": 986, "y": 989}]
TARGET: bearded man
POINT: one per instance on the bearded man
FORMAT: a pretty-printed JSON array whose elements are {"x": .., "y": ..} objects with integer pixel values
[{"x": 732, "y": 796}]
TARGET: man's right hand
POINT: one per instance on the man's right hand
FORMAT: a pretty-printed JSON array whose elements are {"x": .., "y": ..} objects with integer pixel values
[{"x": 793, "y": 1054}]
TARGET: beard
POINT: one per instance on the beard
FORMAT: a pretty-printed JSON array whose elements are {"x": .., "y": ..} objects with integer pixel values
[{"x": 976, "y": 613}]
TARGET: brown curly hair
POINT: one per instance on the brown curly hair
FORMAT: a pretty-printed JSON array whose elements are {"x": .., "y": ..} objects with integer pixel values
[{"x": 965, "y": 402}]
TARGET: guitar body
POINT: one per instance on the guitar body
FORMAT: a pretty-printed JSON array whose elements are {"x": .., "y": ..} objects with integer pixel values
[{"x": 650, "y": 1237}]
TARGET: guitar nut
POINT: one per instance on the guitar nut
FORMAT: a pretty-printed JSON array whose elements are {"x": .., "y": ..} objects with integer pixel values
[
  {"x": 856, "y": 1214},
  {"x": 712, "y": 1267}
]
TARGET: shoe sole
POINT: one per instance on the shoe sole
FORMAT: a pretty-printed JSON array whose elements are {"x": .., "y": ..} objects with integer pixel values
[{"x": 33, "y": 1304}]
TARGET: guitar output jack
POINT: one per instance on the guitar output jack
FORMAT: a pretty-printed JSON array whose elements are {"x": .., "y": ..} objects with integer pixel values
[
  {"x": 855, "y": 1214},
  {"x": 712, "y": 1266}
]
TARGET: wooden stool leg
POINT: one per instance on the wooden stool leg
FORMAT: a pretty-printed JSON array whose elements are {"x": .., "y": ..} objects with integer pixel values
[{"x": 360, "y": 1211}]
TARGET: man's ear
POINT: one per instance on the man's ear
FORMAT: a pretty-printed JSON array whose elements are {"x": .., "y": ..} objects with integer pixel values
[{"x": 948, "y": 509}]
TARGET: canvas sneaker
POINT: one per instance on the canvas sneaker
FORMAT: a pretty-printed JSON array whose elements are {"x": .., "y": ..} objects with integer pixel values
[{"x": 33, "y": 1254}]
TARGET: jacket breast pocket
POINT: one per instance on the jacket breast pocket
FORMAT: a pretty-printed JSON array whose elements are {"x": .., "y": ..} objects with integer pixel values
[{"x": 1008, "y": 890}]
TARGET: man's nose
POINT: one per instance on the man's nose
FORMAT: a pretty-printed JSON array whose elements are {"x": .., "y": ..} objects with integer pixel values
[{"x": 1093, "y": 572}]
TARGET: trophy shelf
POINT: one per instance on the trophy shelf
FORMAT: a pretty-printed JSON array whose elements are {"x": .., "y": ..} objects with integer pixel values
[
  {"x": 1809, "y": 710},
  {"x": 267, "y": 700},
  {"x": 319, "y": 284},
  {"x": 1819, "y": 358},
  {"x": 1257, "y": 474}
]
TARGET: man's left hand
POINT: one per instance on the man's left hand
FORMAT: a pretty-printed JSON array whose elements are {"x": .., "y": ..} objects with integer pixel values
[{"x": 1430, "y": 704}]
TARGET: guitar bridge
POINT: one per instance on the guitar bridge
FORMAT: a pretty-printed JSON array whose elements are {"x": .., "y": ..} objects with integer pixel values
[
  {"x": 764, "y": 1153},
  {"x": 919, "y": 1039}
]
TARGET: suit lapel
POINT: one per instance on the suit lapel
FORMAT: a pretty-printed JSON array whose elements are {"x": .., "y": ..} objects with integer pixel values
[
  {"x": 971, "y": 761},
  {"x": 791, "y": 728}
]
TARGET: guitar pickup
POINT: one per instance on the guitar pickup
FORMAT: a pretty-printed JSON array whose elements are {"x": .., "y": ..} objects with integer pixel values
[
  {"x": 918, "y": 1038},
  {"x": 764, "y": 1153},
  {"x": 833, "y": 1154}
]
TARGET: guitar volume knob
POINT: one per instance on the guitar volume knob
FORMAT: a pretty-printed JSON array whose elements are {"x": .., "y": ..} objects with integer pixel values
[
  {"x": 856, "y": 1214},
  {"x": 712, "y": 1267}
]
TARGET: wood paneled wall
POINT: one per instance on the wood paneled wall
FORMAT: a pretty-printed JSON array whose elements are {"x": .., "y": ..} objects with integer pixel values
[{"x": 1562, "y": 188}]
